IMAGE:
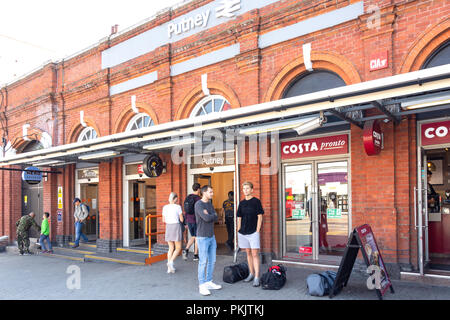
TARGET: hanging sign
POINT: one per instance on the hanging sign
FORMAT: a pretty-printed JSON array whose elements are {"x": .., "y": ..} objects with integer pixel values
[
  {"x": 153, "y": 166},
  {"x": 322, "y": 146},
  {"x": 32, "y": 175},
  {"x": 435, "y": 133},
  {"x": 372, "y": 137}
]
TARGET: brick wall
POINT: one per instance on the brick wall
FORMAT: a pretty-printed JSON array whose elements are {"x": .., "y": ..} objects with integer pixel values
[{"x": 51, "y": 99}]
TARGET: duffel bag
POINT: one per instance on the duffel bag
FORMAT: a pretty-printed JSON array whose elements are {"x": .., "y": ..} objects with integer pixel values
[
  {"x": 235, "y": 273},
  {"x": 274, "y": 278}
]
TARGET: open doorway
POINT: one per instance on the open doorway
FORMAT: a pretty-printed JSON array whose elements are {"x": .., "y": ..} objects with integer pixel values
[{"x": 222, "y": 183}]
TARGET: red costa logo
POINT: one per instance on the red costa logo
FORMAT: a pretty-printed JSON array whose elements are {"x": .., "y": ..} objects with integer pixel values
[{"x": 435, "y": 133}]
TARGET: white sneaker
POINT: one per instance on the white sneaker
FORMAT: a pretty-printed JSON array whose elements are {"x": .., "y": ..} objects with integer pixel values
[
  {"x": 204, "y": 290},
  {"x": 212, "y": 286},
  {"x": 170, "y": 268}
]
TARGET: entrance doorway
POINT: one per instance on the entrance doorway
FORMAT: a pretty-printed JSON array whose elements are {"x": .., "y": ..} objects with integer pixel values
[
  {"x": 139, "y": 201},
  {"x": 222, "y": 183},
  {"x": 87, "y": 191},
  {"x": 316, "y": 207},
  {"x": 433, "y": 220},
  {"x": 89, "y": 196}
]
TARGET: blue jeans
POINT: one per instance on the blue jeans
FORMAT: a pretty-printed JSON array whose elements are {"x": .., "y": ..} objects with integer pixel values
[
  {"x": 207, "y": 258},
  {"x": 42, "y": 242},
  {"x": 78, "y": 233}
]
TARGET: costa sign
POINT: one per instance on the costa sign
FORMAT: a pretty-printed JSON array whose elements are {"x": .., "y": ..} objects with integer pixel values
[
  {"x": 323, "y": 146},
  {"x": 435, "y": 133},
  {"x": 372, "y": 137}
]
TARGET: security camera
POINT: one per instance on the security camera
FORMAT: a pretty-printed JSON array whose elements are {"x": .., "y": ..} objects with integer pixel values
[
  {"x": 211, "y": 169},
  {"x": 311, "y": 124}
]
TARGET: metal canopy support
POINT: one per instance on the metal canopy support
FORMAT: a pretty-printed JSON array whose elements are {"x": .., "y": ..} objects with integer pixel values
[
  {"x": 342, "y": 116},
  {"x": 13, "y": 169},
  {"x": 383, "y": 109}
]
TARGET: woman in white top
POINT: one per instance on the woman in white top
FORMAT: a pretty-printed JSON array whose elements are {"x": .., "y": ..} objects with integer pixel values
[{"x": 172, "y": 216}]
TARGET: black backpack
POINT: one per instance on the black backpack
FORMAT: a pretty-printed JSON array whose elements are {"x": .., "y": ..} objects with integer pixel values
[
  {"x": 235, "y": 273},
  {"x": 188, "y": 205},
  {"x": 274, "y": 278}
]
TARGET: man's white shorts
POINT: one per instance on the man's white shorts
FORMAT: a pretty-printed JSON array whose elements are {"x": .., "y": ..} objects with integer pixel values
[{"x": 249, "y": 241}]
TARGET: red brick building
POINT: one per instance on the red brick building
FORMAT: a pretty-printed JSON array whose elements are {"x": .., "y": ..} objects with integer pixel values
[{"x": 378, "y": 71}]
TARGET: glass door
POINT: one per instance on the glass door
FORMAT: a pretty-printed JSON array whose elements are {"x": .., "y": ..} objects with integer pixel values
[
  {"x": 298, "y": 207},
  {"x": 316, "y": 207},
  {"x": 421, "y": 209},
  {"x": 88, "y": 193},
  {"x": 332, "y": 179},
  {"x": 136, "y": 212}
]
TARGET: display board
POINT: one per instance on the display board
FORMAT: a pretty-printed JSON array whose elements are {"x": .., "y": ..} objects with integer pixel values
[{"x": 362, "y": 238}]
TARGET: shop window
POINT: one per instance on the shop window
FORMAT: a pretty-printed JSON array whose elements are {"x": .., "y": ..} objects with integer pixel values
[
  {"x": 209, "y": 105},
  {"x": 313, "y": 82},
  {"x": 139, "y": 121},
  {"x": 439, "y": 57},
  {"x": 88, "y": 133}
]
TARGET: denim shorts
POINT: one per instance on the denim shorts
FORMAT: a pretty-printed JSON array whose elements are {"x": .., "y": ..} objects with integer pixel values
[{"x": 192, "y": 229}]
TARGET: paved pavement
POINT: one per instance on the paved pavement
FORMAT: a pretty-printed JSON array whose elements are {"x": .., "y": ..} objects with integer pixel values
[{"x": 40, "y": 277}]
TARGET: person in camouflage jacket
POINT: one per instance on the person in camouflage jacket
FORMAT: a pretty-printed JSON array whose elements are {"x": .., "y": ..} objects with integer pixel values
[{"x": 23, "y": 225}]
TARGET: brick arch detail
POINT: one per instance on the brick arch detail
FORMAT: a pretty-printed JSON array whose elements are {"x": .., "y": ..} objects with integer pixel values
[
  {"x": 320, "y": 60},
  {"x": 77, "y": 128},
  {"x": 19, "y": 143},
  {"x": 425, "y": 45},
  {"x": 127, "y": 114},
  {"x": 196, "y": 94}
]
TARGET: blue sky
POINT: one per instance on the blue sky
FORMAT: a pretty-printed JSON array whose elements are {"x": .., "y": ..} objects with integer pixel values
[{"x": 32, "y": 32}]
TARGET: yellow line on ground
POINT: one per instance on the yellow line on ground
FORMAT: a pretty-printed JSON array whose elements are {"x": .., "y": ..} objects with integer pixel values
[
  {"x": 114, "y": 260},
  {"x": 73, "y": 250},
  {"x": 84, "y": 244},
  {"x": 132, "y": 250},
  {"x": 54, "y": 255}
]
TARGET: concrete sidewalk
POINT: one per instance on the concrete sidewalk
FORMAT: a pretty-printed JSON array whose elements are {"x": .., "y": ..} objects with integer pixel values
[{"x": 41, "y": 277}]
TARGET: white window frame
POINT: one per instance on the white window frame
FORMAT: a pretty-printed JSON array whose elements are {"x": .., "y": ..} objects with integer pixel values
[
  {"x": 85, "y": 132},
  {"x": 204, "y": 101},
  {"x": 137, "y": 117}
]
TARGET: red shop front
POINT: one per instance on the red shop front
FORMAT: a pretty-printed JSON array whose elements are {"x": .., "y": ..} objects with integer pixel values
[
  {"x": 433, "y": 195},
  {"x": 316, "y": 197}
]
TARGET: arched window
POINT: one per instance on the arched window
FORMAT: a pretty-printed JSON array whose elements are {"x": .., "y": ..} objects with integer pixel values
[
  {"x": 313, "y": 82},
  {"x": 88, "y": 133},
  {"x": 439, "y": 57},
  {"x": 139, "y": 121},
  {"x": 209, "y": 105}
]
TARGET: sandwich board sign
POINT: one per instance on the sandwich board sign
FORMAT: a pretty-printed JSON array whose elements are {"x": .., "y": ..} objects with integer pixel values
[{"x": 362, "y": 238}]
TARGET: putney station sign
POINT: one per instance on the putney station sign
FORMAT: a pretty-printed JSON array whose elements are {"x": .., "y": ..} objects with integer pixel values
[{"x": 226, "y": 9}]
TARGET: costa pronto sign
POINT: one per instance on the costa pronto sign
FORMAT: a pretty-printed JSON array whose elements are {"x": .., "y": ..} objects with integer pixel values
[
  {"x": 322, "y": 146},
  {"x": 435, "y": 133}
]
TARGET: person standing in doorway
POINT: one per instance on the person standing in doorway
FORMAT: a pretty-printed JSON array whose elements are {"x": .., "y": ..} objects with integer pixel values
[
  {"x": 189, "y": 210},
  {"x": 206, "y": 216},
  {"x": 80, "y": 215},
  {"x": 228, "y": 210},
  {"x": 249, "y": 222},
  {"x": 45, "y": 232},
  {"x": 23, "y": 226},
  {"x": 173, "y": 217}
]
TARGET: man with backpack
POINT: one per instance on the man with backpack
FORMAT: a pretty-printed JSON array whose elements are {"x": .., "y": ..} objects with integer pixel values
[
  {"x": 189, "y": 210},
  {"x": 80, "y": 215}
]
